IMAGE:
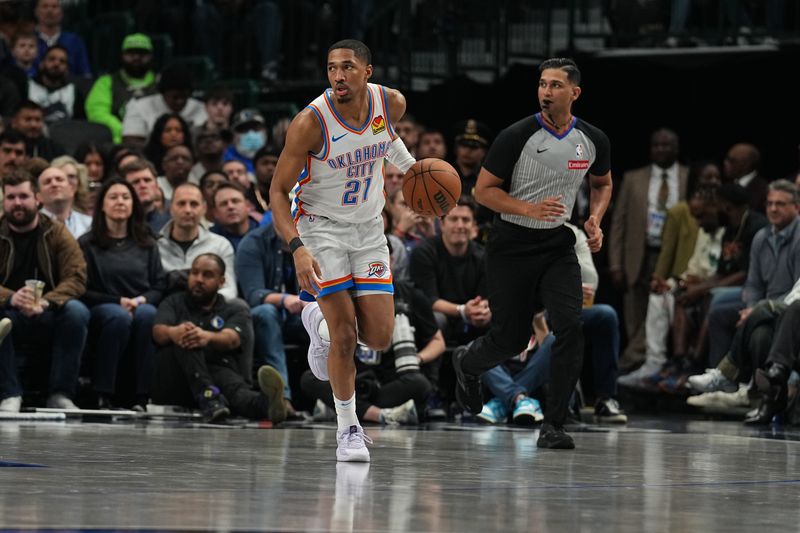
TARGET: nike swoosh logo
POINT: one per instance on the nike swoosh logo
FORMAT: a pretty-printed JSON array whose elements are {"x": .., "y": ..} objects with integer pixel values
[
  {"x": 334, "y": 138},
  {"x": 540, "y": 150}
]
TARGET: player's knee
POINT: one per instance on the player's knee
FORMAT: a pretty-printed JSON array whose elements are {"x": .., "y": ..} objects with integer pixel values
[
  {"x": 344, "y": 337},
  {"x": 378, "y": 339}
]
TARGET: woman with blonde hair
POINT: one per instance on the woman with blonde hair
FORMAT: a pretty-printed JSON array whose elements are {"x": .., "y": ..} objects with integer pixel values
[{"x": 78, "y": 177}]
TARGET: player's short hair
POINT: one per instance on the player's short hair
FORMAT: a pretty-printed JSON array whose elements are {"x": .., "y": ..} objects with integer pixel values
[
  {"x": 360, "y": 49},
  {"x": 787, "y": 187},
  {"x": 563, "y": 63}
]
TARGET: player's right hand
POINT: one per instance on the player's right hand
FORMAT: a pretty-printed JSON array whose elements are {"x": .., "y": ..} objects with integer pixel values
[
  {"x": 548, "y": 210},
  {"x": 309, "y": 275}
]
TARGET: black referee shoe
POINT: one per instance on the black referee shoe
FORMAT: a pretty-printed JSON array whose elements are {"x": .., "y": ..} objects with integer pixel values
[
  {"x": 468, "y": 387},
  {"x": 554, "y": 438}
]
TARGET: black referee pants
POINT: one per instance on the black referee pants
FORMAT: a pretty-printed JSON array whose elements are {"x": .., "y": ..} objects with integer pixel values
[{"x": 529, "y": 271}]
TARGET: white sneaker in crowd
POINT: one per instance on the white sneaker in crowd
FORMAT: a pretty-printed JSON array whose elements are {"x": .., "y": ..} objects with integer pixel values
[
  {"x": 318, "y": 349},
  {"x": 712, "y": 380},
  {"x": 59, "y": 401},
  {"x": 405, "y": 414},
  {"x": 12, "y": 404},
  {"x": 720, "y": 399},
  {"x": 352, "y": 445}
]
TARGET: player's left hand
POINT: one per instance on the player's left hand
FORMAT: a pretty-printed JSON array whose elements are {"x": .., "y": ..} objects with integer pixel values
[{"x": 594, "y": 234}]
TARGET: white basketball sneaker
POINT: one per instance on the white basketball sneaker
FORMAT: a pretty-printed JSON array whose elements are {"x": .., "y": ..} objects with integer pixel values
[
  {"x": 353, "y": 445},
  {"x": 318, "y": 349}
]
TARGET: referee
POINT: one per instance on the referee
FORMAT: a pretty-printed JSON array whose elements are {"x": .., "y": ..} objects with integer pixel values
[{"x": 530, "y": 177}]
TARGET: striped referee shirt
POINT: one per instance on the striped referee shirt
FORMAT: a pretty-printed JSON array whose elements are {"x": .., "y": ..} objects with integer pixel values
[{"x": 536, "y": 163}]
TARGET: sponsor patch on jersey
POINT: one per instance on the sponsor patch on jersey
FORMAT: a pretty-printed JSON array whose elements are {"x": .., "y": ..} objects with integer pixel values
[
  {"x": 378, "y": 125},
  {"x": 579, "y": 151},
  {"x": 217, "y": 322},
  {"x": 377, "y": 269},
  {"x": 578, "y": 164}
]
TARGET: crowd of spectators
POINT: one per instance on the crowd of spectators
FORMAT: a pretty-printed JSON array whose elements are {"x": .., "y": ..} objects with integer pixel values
[{"x": 146, "y": 268}]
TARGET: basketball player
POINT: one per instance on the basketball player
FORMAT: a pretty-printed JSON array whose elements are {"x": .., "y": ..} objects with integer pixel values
[
  {"x": 336, "y": 146},
  {"x": 530, "y": 177}
]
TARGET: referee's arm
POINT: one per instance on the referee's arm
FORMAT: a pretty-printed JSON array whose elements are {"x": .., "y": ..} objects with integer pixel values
[{"x": 489, "y": 192}]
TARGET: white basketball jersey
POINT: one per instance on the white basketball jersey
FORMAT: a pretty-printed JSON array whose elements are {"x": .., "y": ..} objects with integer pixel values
[{"x": 344, "y": 181}]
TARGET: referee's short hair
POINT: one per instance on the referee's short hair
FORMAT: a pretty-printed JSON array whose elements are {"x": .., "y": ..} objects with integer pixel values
[{"x": 563, "y": 63}]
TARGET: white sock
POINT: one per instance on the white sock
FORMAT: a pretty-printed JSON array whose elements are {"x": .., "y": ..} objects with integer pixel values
[{"x": 346, "y": 412}]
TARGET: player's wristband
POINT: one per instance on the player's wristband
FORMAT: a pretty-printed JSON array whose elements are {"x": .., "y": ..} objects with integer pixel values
[
  {"x": 462, "y": 312},
  {"x": 295, "y": 243}
]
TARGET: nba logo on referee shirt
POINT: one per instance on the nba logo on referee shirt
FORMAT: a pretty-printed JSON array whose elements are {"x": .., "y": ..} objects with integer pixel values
[
  {"x": 376, "y": 269},
  {"x": 579, "y": 163}
]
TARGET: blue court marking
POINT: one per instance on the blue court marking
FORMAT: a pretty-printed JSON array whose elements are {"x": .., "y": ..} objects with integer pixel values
[{"x": 8, "y": 464}]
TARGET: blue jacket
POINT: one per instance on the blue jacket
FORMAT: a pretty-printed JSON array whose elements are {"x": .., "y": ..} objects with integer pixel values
[
  {"x": 259, "y": 265},
  {"x": 77, "y": 58}
]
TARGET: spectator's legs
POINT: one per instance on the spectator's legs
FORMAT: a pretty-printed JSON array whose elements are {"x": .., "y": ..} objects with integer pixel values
[
  {"x": 321, "y": 390},
  {"x": 143, "y": 348},
  {"x": 9, "y": 380},
  {"x": 786, "y": 345},
  {"x": 110, "y": 327},
  {"x": 269, "y": 347},
  {"x": 502, "y": 384},
  {"x": 266, "y": 21},
  {"x": 70, "y": 325},
  {"x": 407, "y": 386},
  {"x": 537, "y": 372},
  {"x": 242, "y": 399},
  {"x": 721, "y": 329},
  {"x": 180, "y": 376},
  {"x": 601, "y": 331}
]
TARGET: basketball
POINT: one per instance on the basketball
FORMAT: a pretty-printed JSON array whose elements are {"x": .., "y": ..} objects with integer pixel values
[{"x": 431, "y": 187}]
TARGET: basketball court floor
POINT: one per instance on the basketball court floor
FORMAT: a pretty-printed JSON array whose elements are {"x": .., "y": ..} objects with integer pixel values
[{"x": 675, "y": 474}]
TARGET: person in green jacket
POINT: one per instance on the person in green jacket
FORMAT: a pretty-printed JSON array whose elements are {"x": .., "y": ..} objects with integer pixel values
[{"x": 111, "y": 92}]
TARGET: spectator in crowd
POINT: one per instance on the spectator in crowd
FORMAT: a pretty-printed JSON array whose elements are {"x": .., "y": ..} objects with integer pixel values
[
  {"x": 200, "y": 341},
  {"x": 410, "y": 227},
  {"x": 24, "y": 51},
  {"x": 111, "y": 93},
  {"x": 450, "y": 269},
  {"x": 125, "y": 280},
  {"x": 12, "y": 151},
  {"x": 773, "y": 269},
  {"x": 408, "y": 129},
  {"x": 208, "y": 185},
  {"x": 390, "y": 387},
  {"x": 176, "y": 164},
  {"x": 230, "y": 213},
  {"x": 237, "y": 172},
  {"x": 513, "y": 381},
  {"x": 266, "y": 159},
  {"x": 9, "y": 99},
  {"x": 400, "y": 255},
  {"x": 219, "y": 108},
  {"x": 265, "y": 270},
  {"x": 472, "y": 140},
  {"x": 249, "y": 136},
  {"x": 57, "y": 196},
  {"x": 33, "y": 247},
  {"x": 78, "y": 178},
  {"x": 640, "y": 210},
  {"x": 183, "y": 238},
  {"x": 141, "y": 174},
  {"x": 279, "y": 130},
  {"x": 667, "y": 305},
  {"x": 209, "y": 147},
  {"x": 29, "y": 121},
  {"x": 169, "y": 130},
  {"x": 741, "y": 166},
  {"x": 94, "y": 159},
  {"x": 49, "y": 15},
  {"x": 393, "y": 178},
  {"x": 60, "y": 98},
  {"x": 174, "y": 96},
  {"x": 431, "y": 144}
]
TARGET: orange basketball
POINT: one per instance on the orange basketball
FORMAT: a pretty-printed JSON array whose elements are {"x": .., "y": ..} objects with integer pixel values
[{"x": 431, "y": 187}]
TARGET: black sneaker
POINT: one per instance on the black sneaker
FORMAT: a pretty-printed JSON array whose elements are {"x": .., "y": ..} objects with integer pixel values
[
  {"x": 468, "y": 387},
  {"x": 607, "y": 411},
  {"x": 213, "y": 405},
  {"x": 554, "y": 438}
]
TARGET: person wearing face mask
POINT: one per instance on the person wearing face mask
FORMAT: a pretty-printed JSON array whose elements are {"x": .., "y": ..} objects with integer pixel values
[
  {"x": 112, "y": 92},
  {"x": 249, "y": 135}
]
